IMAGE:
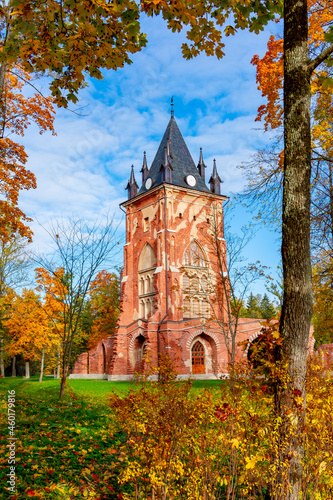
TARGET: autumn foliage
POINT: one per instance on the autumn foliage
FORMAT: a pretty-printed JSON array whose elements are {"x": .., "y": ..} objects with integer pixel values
[
  {"x": 270, "y": 67},
  {"x": 28, "y": 326},
  {"x": 221, "y": 443},
  {"x": 104, "y": 306},
  {"x": 16, "y": 113},
  {"x": 70, "y": 40},
  {"x": 323, "y": 299}
]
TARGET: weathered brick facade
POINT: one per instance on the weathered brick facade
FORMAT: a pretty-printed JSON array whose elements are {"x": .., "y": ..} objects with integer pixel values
[{"x": 170, "y": 270}]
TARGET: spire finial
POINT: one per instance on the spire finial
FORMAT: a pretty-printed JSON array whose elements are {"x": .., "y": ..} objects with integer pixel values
[
  {"x": 132, "y": 186},
  {"x": 132, "y": 178},
  {"x": 201, "y": 162},
  {"x": 214, "y": 169},
  {"x": 201, "y": 166},
  {"x": 215, "y": 181},
  {"x": 144, "y": 169},
  {"x": 172, "y": 106}
]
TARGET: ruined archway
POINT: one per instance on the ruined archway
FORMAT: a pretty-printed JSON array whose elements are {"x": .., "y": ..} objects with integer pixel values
[{"x": 137, "y": 351}]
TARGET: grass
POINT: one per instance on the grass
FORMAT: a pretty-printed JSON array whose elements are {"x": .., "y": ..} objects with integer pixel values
[
  {"x": 93, "y": 388},
  {"x": 64, "y": 449}
]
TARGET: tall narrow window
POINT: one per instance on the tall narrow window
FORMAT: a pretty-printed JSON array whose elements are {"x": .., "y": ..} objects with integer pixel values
[
  {"x": 142, "y": 286},
  {"x": 148, "y": 287},
  {"x": 146, "y": 268}
]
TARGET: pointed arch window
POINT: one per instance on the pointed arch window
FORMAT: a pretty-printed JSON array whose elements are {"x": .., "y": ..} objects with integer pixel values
[
  {"x": 195, "y": 282},
  {"x": 194, "y": 256},
  {"x": 147, "y": 258}
]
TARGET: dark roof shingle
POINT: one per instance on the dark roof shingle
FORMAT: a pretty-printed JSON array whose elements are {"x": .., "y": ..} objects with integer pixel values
[{"x": 181, "y": 161}]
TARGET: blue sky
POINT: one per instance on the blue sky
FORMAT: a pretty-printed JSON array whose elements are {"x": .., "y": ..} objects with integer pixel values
[{"x": 85, "y": 168}]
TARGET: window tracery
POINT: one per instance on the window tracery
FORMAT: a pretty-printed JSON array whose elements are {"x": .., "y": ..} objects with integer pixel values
[{"x": 195, "y": 282}]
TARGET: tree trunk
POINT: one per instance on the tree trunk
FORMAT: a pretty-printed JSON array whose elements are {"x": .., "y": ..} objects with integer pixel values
[
  {"x": 58, "y": 365},
  {"x": 63, "y": 382},
  {"x": 27, "y": 369},
  {"x": 297, "y": 301},
  {"x": 14, "y": 367},
  {"x": 2, "y": 362},
  {"x": 42, "y": 366}
]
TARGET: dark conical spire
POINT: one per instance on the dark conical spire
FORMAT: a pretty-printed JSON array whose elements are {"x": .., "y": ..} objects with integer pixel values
[
  {"x": 144, "y": 169},
  {"x": 179, "y": 159},
  {"x": 215, "y": 181},
  {"x": 201, "y": 166},
  {"x": 132, "y": 186}
]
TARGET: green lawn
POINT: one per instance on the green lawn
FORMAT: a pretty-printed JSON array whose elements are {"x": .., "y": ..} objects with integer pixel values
[
  {"x": 64, "y": 450},
  {"x": 94, "y": 388}
]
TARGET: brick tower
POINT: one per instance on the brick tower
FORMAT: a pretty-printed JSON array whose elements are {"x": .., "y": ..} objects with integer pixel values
[
  {"x": 170, "y": 273},
  {"x": 167, "y": 265}
]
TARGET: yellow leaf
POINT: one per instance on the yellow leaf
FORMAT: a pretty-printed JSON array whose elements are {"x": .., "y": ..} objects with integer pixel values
[
  {"x": 251, "y": 463},
  {"x": 235, "y": 443}
]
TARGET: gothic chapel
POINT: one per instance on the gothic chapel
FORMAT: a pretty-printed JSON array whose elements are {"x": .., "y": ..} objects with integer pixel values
[{"x": 169, "y": 272}]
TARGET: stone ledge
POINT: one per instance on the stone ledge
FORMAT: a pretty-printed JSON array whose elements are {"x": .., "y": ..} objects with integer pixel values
[
  {"x": 92, "y": 376},
  {"x": 203, "y": 376}
]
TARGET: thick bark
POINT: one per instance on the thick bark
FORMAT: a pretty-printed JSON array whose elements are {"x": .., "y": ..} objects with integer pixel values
[
  {"x": 297, "y": 300},
  {"x": 63, "y": 382},
  {"x": 42, "y": 366},
  {"x": 14, "y": 367}
]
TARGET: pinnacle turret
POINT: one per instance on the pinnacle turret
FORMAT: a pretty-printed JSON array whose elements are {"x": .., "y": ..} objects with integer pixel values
[
  {"x": 132, "y": 186},
  {"x": 144, "y": 169},
  {"x": 201, "y": 166},
  {"x": 215, "y": 181}
]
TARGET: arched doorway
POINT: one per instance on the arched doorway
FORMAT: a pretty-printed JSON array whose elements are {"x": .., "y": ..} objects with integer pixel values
[
  {"x": 137, "y": 352},
  {"x": 198, "y": 358}
]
